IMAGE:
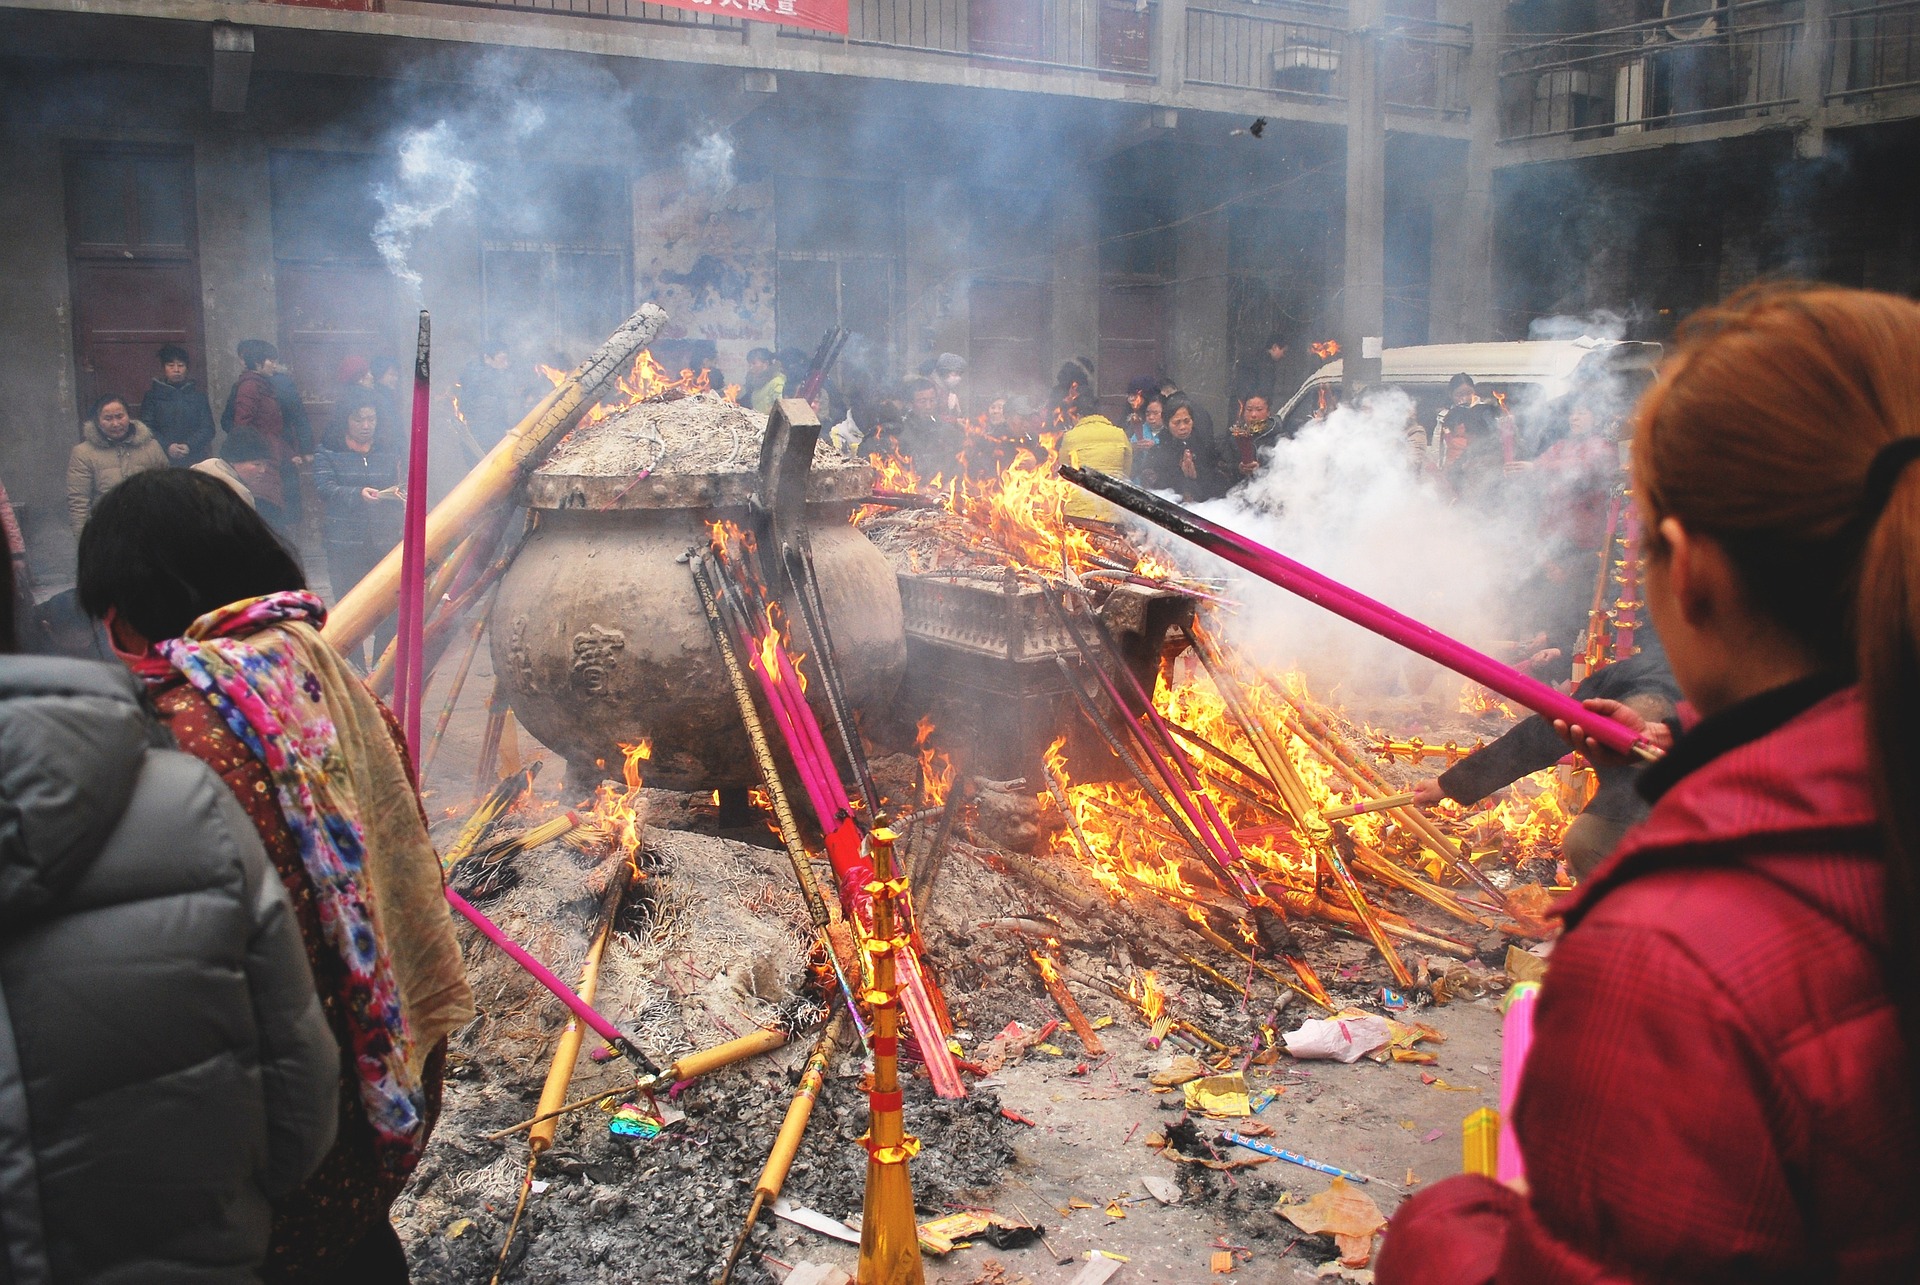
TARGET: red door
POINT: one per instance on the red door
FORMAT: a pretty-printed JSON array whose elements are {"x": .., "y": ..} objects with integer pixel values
[{"x": 134, "y": 268}]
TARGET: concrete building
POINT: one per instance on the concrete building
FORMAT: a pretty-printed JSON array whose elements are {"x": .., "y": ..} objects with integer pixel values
[{"x": 1156, "y": 185}]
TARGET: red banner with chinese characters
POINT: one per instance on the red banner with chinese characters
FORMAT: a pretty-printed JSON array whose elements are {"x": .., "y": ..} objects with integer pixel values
[{"x": 821, "y": 15}]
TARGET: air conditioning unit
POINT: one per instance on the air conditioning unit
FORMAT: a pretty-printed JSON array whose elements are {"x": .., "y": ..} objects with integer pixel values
[
  {"x": 1305, "y": 69},
  {"x": 1563, "y": 99}
]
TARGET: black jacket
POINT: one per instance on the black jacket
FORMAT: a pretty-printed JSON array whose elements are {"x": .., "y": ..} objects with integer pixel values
[
  {"x": 165, "y": 1068},
  {"x": 339, "y": 474},
  {"x": 1159, "y": 468},
  {"x": 1531, "y": 746},
  {"x": 179, "y": 414}
]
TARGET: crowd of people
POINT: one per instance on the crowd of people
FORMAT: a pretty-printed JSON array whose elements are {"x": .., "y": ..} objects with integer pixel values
[{"x": 228, "y": 973}]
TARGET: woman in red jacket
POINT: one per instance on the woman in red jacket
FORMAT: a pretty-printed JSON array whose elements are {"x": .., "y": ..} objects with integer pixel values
[{"x": 1722, "y": 1085}]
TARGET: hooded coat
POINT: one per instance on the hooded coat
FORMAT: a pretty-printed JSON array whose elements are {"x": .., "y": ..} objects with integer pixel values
[
  {"x": 1718, "y": 1089},
  {"x": 165, "y": 1068},
  {"x": 97, "y": 465}
]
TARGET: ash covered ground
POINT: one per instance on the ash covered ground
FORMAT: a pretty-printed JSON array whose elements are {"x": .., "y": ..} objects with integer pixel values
[{"x": 713, "y": 942}]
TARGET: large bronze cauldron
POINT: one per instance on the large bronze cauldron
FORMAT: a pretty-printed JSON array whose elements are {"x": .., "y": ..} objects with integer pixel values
[{"x": 598, "y": 632}]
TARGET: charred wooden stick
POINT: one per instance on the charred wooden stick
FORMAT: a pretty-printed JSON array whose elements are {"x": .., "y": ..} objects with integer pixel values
[
  {"x": 1050, "y": 977},
  {"x": 1181, "y": 823},
  {"x": 494, "y": 477},
  {"x": 1283, "y": 774},
  {"x": 1371, "y": 805}
]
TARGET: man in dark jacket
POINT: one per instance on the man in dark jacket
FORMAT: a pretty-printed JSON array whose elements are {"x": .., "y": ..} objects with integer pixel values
[
  {"x": 1645, "y": 682},
  {"x": 165, "y": 1068},
  {"x": 177, "y": 411}
]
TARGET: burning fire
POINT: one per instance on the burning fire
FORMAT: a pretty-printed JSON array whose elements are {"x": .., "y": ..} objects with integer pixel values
[
  {"x": 646, "y": 381},
  {"x": 1326, "y": 349},
  {"x": 617, "y": 811},
  {"x": 936, "y": 769}
]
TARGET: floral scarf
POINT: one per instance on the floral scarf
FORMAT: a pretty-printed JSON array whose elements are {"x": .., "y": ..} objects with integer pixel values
[{"x": 253, "y": 676}]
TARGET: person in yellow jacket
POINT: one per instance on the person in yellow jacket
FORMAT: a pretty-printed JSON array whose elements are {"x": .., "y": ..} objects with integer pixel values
[{"x": 1094, "y": 442}]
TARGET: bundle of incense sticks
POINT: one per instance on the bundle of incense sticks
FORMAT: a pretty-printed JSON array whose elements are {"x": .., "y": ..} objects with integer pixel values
[
  {"x": 1277, "y": 568},
  {"x": 750, "y": 617}
]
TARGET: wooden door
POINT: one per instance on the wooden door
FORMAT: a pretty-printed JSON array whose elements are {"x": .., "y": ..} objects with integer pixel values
[
  {"x": 331, "y": 311},
  {"x": 1131, "y": 330},
  {"x": 1008, "y": 323},
  {"x": 133, "y": 261}
]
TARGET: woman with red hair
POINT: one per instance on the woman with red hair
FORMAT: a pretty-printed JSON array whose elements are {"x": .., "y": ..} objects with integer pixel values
[{"x": 1722, "y": 1083}]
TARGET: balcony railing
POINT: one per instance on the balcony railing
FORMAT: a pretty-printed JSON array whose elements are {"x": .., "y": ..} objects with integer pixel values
[
  {"x": 1875, "y": 49},
  {"x": 1297, "y": 50},
  {"x": 619, "y": 10},
  {"x": 1112, "y": 37},
  {"x": 1729, "y": 62}
]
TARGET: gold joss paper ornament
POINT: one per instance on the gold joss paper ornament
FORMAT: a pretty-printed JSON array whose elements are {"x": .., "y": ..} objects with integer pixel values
[{"x": 889, "y": 1235}]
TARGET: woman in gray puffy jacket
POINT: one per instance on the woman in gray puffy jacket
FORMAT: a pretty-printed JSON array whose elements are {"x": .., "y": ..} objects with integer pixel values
[{"x": 165, "y": 1069}]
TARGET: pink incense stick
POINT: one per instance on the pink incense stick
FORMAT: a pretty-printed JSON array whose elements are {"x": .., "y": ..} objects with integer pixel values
[
  {"x": 1366, "y": 612},
  {"x": 541, "y": 973},
  {"x": 1517, "y": 1041},
  {"x": 409, "y": 651}
]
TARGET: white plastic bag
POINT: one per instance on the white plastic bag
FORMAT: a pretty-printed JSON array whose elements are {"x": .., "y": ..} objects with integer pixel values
[{"x": 1344, "y": 1039}]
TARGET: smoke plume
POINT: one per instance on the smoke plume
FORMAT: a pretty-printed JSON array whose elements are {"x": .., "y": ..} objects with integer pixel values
[{"x": 433, "y": 178}]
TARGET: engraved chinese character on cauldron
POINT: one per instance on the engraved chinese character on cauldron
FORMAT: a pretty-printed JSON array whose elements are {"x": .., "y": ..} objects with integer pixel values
[{"x": 594, "y": 649}]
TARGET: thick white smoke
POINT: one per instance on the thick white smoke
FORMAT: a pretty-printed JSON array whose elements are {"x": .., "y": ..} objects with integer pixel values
[
  {"x": 1349, "y": 498},
  {"x": 708, "y": 162},
  {"x": 433, "y": 178}
]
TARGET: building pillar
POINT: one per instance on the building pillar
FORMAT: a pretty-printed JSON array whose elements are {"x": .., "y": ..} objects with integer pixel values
[
  {"x": 1365, "y": 288},
  {"x": 1075, "y": 307},
  {"x": 234, "y": 205},
  {"x": 1202, "y": 312},
  {"x": 1462, "y": 304},
  {"x": 1171, "y": 46}
]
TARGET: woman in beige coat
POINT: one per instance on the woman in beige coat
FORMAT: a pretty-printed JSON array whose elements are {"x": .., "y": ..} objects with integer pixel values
[{"x": 113, "y": 447}]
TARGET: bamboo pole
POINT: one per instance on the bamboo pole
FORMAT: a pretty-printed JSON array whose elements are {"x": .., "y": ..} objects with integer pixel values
[
  {"x": 445, "y": 720},
  {"x": 786, "y": 1143},
  {"x": 492, "y": 480},
  {"x": 566, "y": 1054}
]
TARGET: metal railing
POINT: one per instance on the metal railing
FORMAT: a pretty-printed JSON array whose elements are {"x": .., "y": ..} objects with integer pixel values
[
  {"x": 1424, "y": 66},
  {"x": 1111, "y": 37},
  {"x": 619, "y": 10},
  {"x": 1294, "y": 49},
  {"x": 1298, "y": 48},
  {"x": 1736, "y": 60},
  {"x": 1874, "y": 48}
]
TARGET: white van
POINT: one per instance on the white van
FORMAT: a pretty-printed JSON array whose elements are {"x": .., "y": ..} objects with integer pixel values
[{"x": 1532, "y": 376}]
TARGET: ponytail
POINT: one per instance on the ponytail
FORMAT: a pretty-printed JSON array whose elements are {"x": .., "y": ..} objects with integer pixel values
[
  {"x": 1887, "y": 627},
  {"x": 1787, "y": 426}
]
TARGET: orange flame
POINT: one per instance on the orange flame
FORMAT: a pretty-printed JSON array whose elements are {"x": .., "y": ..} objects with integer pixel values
[
  {"x": 616, "y": 809},
  {"x": 1326, "y": 349},
  {"x": 936, "y": 769}
]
